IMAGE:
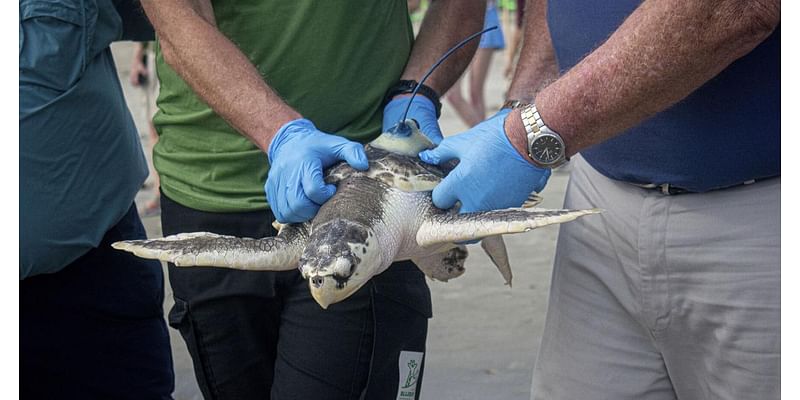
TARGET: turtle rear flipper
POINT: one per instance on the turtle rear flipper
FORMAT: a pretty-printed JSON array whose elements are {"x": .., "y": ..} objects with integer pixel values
[
  {"x": 450, "y": 264},
  {"x": 443, "y": 266},
  {"x": 279, "y": 253},
  {"x": 449, "y": 228}
]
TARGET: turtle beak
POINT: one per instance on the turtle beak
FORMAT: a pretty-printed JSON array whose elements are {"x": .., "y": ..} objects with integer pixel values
[
  {"x": 330, "y": 284},
  {"x": 323, "y": 290},
  {"x": 327, "y": 290},
  {"x": 334, "y": 283}
]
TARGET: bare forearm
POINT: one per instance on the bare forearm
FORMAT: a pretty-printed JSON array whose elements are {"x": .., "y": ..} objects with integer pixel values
[
  {"x": 216, "y": 69},
  {"x": 537, "y": 64},
  {"x": 660, "y": 54},
  {"x": 446, "y": 23}
]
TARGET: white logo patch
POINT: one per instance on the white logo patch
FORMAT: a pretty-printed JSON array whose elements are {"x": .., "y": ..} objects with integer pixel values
[{"x": 410, "y": 363}]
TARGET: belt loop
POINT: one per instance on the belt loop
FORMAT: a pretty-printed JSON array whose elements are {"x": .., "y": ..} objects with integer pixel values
[{"x": 665, "y": 189}]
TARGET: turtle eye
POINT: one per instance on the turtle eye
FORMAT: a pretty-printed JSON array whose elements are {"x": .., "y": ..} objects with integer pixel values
[
  {"x": 305, "y": 269},
  {"x": 343, "y": 267}
]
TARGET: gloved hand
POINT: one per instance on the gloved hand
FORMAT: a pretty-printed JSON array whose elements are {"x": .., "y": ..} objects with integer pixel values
[
  {"x": 422, "y": 110},
  {"x": 490, "y": 175},
  {"x": 297, "y": 154}
]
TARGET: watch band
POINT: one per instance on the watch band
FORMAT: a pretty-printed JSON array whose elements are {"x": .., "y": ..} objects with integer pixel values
[
  {"x": 514, "y": 104},
  {"x": 534, "y": 127},
  {"x": 407, "y": 86},
  {"x": 531, "y": 120}
]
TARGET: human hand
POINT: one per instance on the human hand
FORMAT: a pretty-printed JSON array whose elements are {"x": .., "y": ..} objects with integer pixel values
[
  {"x": 491, "y": 173},
  {"x": 298, "y": 154},
  {"x": 422, "y": 110}
]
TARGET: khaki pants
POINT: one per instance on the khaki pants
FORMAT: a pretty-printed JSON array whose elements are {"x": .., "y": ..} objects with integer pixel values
[{"x": 664, "y": 297}]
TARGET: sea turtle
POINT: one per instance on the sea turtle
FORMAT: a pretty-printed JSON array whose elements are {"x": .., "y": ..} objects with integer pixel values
[{"x": 376, "y": 217}]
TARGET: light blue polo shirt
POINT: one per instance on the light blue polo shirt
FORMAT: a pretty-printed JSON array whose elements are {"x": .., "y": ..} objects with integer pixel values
[{"x": 80, "y": 159}]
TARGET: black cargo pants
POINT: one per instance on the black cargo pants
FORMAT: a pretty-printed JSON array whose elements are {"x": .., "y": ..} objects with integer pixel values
[
  {"x": 260, "y": 335},
  {"x": 95, "y": 329}
]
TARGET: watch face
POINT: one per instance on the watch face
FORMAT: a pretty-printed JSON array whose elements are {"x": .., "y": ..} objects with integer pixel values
[{"x": 547, "y": 149}]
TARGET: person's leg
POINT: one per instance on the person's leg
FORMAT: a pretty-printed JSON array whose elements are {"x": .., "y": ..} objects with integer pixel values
[
  {"x": 597, "y": 342},
  {"x": 95, "y": 330},
  {"x": 722, "y": 336},
  {"x": 401, "y": 309},
  {"x": 152, "y": 207},
  {"x": 478, "y": 71},
  {"x": 323, "y": 353},
  {"x": 463, "y": 108},
  {"x": 353, "y": 350},
  {"x": 511, "y": 53},
  {"x": 228, "y": 318},
  {"x": 516, "y": 40}
]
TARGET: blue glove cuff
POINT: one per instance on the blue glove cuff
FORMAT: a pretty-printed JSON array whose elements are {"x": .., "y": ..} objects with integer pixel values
[
  {"x": 422, "y": 110},
  {"x": 501, "y": 116},
  {"x": 394, "y": 109},
  {"x": 285, "y": 132}
]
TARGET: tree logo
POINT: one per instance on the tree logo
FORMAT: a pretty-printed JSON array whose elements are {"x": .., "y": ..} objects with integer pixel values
[
  {"x": 413, "y": 374},
  {"x": 409, "y": 368}
]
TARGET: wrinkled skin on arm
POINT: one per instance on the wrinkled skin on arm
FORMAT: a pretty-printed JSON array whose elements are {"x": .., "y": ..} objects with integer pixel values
[{"x": 661, "y": 53}]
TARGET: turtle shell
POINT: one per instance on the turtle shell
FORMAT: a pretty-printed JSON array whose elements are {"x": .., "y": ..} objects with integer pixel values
[
  {"x": 393, "y": 160},
  {"x": 400, "y": 171}
]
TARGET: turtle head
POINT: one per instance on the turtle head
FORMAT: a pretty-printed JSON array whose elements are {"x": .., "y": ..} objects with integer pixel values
[{"x": 341, "y": 256}]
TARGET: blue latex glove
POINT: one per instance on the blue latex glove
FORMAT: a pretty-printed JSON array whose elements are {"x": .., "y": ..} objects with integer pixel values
[
  {"x": 297, "y": 154},
  {"x": 422, "y": 110},
  {"x": 490, "y": 175}
]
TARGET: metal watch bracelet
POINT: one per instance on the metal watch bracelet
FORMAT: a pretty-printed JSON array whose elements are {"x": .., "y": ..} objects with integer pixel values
[{"x": 537, "y": 130}]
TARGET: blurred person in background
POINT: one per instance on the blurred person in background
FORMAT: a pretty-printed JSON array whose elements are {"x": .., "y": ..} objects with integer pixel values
[
  {"x": 472, "y": 109},
  {"x": 143, "y": 76},
  {"x": 516, "y": 39}
]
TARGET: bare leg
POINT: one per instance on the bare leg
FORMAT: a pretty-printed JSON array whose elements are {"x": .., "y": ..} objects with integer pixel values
[
  {"x": 511, "y": 53},
  {"x": 463, "y": 108},
  {"x": 478, "y": 71},
  {"x": 153, "y": 206}
]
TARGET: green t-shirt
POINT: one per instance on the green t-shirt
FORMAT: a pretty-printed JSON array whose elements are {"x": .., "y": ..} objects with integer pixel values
[{"x": 332, "y": 61}]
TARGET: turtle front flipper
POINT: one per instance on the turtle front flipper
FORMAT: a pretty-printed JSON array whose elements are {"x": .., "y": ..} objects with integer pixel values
[
  {"x": 279, "y": 253},
  {"x": 444, "y": 227}
]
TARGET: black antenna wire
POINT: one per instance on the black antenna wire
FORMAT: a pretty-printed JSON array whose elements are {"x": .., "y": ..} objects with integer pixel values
[{"x": 441, "y": 60}]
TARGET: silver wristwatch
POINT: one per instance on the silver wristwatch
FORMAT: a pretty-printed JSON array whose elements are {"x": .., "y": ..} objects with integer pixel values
[{"x": 545, "y": 146}]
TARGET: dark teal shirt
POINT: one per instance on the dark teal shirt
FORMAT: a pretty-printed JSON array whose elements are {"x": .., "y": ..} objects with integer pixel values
[{"x": 81, "y": 161}]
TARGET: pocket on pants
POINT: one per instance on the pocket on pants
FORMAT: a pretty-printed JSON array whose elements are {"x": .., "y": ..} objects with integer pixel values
[
  {"x": 180, "y": 318},
  {"x": 178, "y": 314}
]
